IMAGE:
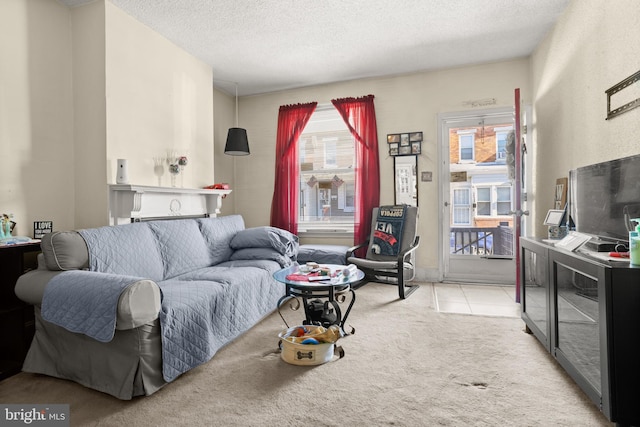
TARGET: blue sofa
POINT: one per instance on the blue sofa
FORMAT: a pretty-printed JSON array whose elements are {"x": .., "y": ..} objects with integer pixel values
[{"x": 129, "y": 308}]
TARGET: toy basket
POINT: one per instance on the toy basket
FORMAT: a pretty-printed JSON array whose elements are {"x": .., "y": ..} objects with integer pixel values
[{"x": 297, "y": 353}]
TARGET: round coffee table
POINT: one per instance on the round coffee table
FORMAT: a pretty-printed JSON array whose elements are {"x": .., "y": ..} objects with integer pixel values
[{"x": 312, "y": 293}]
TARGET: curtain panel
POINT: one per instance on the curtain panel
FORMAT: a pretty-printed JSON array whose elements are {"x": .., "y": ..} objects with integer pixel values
[
  {"x": 360, "y": 116},
  {"x": 284, "y": 206}
]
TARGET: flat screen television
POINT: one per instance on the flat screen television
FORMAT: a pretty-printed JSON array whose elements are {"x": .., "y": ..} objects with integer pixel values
[{"x": 604, "y": 197}]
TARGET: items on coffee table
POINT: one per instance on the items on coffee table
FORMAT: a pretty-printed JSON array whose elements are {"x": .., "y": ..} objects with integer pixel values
[{"x": 312, "y": 272}]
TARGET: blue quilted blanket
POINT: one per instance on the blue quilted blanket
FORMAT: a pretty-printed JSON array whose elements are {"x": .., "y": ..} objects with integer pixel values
[
  {"x": 85, "y": 302},
  {"x": 204, "y": 310}
]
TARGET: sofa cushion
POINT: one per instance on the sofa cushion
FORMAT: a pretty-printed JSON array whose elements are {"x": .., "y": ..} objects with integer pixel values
[
  {"x": 262, "y": 254},
  {"x": 129, "y": 249},
  {"x": 275, "y": 238},
  {"x": 182, "y": 246},
  {"x": 323, "y": 254},
  {"x": 218, "y": 233},
  {"x": 64, "y": 250}
]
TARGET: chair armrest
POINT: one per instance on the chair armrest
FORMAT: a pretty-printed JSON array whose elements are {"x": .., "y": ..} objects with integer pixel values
[
  {"x": 402, "y": 255},
  {"x": 352, "y": 249}
]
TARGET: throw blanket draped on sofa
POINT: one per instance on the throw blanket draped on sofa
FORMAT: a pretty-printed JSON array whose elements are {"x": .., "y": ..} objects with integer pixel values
[{"x": 85, "y": 302}]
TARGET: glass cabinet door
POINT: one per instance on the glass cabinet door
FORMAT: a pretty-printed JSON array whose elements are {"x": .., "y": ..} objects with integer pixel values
[
  {"x": 535, "y": 291},
  {"x": 578, "y": 324}
]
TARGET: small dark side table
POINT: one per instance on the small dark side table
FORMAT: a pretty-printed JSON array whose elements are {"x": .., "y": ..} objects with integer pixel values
[{"x": 17, "y": 323}]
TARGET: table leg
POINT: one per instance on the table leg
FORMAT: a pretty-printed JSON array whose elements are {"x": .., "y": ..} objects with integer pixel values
[
  {"x": 346, "y": 314},
  {"x": 283, "y": 300}
]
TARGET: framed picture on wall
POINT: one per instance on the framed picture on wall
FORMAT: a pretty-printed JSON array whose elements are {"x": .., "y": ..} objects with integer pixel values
[
  {"x": 416, "y": 147},
  {"x": 560, "y": 196},
  {"x": 405, "y": 144}
]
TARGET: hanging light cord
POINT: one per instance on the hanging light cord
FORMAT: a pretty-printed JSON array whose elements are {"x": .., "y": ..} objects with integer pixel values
[
  {"x": 236, "y": 104},
  {"x": 236, "y": 84}
]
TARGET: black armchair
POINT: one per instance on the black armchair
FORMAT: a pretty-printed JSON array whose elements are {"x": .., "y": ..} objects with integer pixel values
[{"x": 390, "y": 269}]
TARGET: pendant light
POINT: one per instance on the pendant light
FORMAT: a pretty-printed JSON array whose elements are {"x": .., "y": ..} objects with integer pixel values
[{"x": 237, "y": 142}]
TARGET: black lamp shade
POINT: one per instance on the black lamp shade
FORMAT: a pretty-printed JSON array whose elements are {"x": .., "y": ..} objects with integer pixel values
[{"x": 237, "y": 143}]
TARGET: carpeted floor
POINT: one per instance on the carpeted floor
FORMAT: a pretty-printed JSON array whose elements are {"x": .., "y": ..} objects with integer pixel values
[{"x": 406, "y": 365}]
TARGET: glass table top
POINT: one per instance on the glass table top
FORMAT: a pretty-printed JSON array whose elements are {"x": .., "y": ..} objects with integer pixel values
[{"x": 334, "y": 279}]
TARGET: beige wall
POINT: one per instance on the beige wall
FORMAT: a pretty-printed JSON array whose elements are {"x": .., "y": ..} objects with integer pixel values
[
  {"x": 159, "y": 98},
  {"x": 594, "y": 45},
  {"x": 89, "y": 102},
  {"x": 224, "y": 107},
  {"x": 403, "y": 103},
  {"x": 82, "y": 87},
  {"x": 36, "y": 116}
]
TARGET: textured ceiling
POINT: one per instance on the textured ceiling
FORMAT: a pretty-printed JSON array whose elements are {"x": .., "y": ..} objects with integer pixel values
[{"x": 271, "y": 45}]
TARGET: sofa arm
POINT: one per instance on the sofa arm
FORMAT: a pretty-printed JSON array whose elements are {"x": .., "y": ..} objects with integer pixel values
[
  {"x": 138, "y": 304},
  {"x": 65, "y": 250},
  {"x": 30, "y": 286}
]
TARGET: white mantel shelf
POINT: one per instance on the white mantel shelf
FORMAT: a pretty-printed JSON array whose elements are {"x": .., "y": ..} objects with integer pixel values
[{"x": 129, "y": 202}]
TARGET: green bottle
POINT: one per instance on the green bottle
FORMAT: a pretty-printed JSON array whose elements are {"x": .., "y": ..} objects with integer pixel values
[{"x": 634, "y": 244}]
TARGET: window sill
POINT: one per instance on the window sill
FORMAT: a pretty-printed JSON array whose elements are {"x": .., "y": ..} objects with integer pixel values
[{"x": 326, "y": 232}]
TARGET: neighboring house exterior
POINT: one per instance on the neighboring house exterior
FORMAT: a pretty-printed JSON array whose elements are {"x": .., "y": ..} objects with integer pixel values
[
  {"x": 327, "y": 178},
  {"x": 481, "y": 191}
]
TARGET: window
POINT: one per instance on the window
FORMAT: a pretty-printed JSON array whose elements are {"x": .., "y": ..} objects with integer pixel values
[
  {"x": 462, "y": 206},
  {"x": 329, "y": 151},
  {"x": 501, "y": 142},
  {"x": 493, "y": 201},
  {"x": 327, "y": 174},
  {"x": 504, "y": 200},
  {"x": 466, "y": 140},
  {"x": 483, "y": 204},
  {"x": 347, "y": 197}
]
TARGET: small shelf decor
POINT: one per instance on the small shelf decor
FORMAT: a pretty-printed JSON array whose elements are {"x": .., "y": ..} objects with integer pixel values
[{"x": 405, "y": 144}]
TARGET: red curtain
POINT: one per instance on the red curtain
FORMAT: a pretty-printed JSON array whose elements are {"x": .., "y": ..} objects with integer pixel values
[
  {"x": 284, "y": 206},
  {"x": 360, "y": 116}
]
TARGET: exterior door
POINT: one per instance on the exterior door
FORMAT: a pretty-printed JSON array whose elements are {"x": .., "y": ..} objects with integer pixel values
[
  {"x": 324, "y": 201},
  {"x": 478, "y": 196}
]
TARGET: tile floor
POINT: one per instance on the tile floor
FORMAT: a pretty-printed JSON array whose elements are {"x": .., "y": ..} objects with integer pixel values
[{"x": 480, "y": 300}]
